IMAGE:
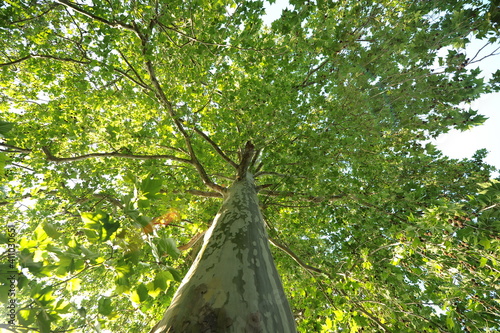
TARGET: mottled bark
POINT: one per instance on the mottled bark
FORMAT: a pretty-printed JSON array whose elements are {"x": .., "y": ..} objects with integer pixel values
[{"x": 233, "y": 285}]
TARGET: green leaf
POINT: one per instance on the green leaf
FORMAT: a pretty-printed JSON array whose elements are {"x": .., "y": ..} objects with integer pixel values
[
  {"x": 485, "y": 242},
  {"x": 167, "y": 246},
  {"x": 151, "y": 186},
  {"x": 3, "y": 160},
  {"x": 5, "y": 127},
  {"x": 140, "y": 294},
  {"x": 450, "y": 322},
  {"x": 99, "y": 226},
  {"x": 40, "y": 234},
  {"x": 54, "y": 249},
  {"x": 161, "y": 278},
  {"x": 88, "y": 253},
  {"x": 104, "y": 306},
  {"x": 483, "y": 261},
  {"x": 51, "y": 230},
  {"x": 92, "y": 235},
  {"x": 74, "y": 284},
  {"x": 133, "y": 256},
  {"x": 123, "y": 268},
  {"x": 82, "y": 312},
  {"x": 175, "y": 273}
]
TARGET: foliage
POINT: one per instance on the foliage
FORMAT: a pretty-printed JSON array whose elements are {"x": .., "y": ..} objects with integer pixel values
[{"x": 121, "y": 119}]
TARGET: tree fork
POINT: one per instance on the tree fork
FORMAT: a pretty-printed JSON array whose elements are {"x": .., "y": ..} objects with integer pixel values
[{"x": 233, "y": 285}]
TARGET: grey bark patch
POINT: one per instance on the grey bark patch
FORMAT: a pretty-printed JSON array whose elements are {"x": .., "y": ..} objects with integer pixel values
[{"x": 254, "y": 323}]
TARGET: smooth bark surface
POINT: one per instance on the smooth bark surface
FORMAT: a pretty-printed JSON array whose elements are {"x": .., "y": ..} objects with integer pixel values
[{"x": 233, "y": 285}]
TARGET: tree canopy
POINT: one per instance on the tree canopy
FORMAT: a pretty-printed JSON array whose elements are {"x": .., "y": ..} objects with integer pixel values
[{"x": 122, "y": 120}]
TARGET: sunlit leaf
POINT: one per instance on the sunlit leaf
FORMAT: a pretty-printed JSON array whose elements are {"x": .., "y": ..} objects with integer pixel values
[{"x": 104, "y": 306}]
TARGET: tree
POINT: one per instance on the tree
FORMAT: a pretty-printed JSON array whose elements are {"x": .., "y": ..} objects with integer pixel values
[{"x": 124, "y": 124}]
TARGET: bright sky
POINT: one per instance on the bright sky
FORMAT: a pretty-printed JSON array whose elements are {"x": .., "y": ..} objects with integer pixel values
[
  {"x": 456, "y": 144},
  {"x": 464, "y": 144}
]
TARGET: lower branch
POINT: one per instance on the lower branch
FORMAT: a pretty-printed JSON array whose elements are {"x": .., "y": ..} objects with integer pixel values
[
  {"x": 205, "y": 193},
  {"x": 302, "y": 196},
  {"x": 55, "y": 159},
  {"x": 14, "y": 149},
  {"x": 193, "y": 241},
  {"x": 302, "y": 264}
]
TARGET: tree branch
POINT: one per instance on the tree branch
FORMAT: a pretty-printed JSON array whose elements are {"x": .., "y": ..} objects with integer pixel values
[
  {"x": 271, "y": 173},
  {"x": 122, "y": 72},
  {"x": 245, "y": 160},
  {"x": 191, "y": 242},
  {"x": 299, "y": 261},
  {"x": 47, "y": 56},
  {"x": 302, "y": 196},
  {"x": 160, "y": 94},
  {"x": 312, "y": 71},
  {"x": 197, "y": 40},
  {"x": 216, "y": 147},
  {"x": 55, "y": 159},
  {"x": 15, "y": 61},
  {"x": 141, "y": 82},
  {"x": 14, "y": 148},
  {"x": 205, "y": 193},
  {"x": 5, "y": 203},
  {"x": 490, "y": 207},
  {"x": 113, "y": 24},
  {"x": 106, "y": 197},
  {"x": 302, "y": 264},
  {"x": 50, "y": 7}
]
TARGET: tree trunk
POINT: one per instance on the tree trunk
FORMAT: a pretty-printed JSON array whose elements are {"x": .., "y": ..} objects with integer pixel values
[{"x": 233, "y": 284}]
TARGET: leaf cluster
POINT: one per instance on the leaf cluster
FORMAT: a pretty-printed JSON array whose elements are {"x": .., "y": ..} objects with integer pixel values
[{"x": 119, "y": 114}]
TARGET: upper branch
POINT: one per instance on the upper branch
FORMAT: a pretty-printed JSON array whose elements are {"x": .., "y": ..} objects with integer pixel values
[
  {"x": 43, "y": 56},
  {"x": 205, "y": 194},
  {"x": 15, "y": 61},
  {"x": 50, "y": 7},
  {"x": 122, "y": 72},
  {"x": 160, "y": 94},
  {"x": 216, "y": 147},
  {"x": 114, "y": 23},
  {"x": 141, "y": 83},
  {"x": 156, "y": 87}
]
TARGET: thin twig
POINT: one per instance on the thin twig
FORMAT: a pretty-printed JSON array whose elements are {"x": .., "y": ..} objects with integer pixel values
[{"x": 133, "y": 70}]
